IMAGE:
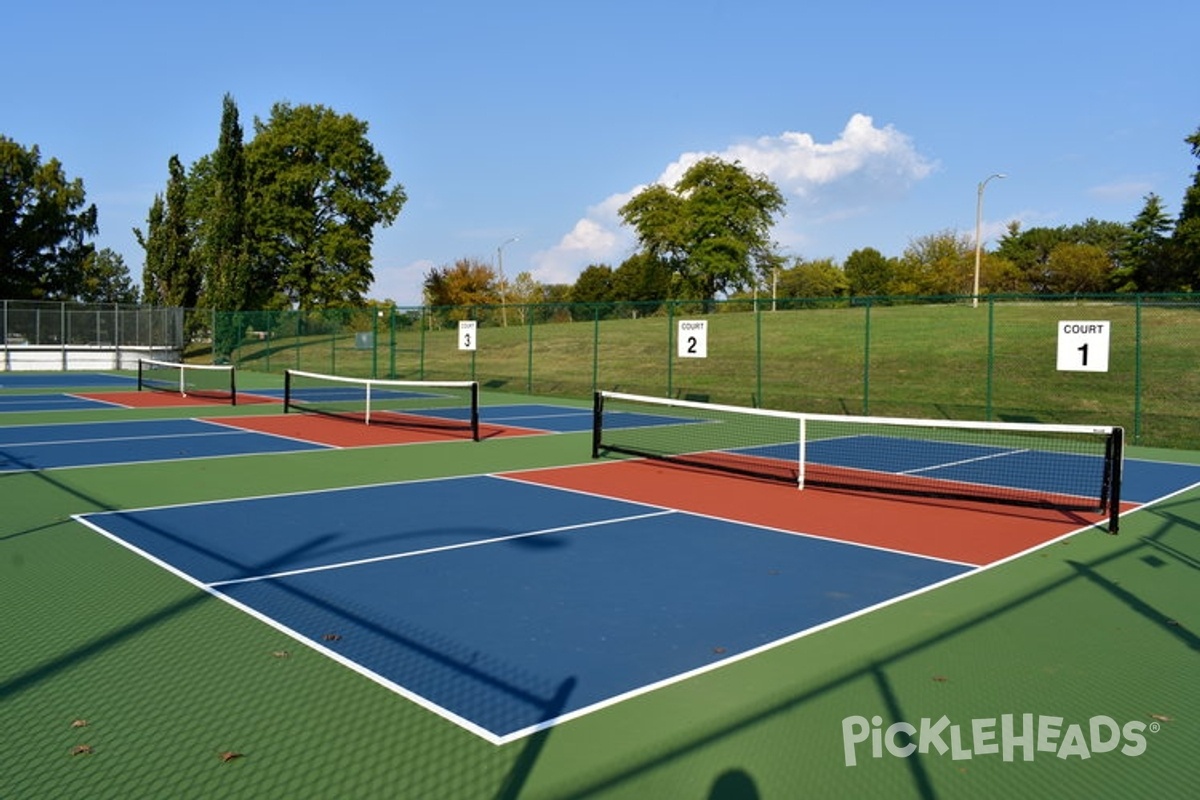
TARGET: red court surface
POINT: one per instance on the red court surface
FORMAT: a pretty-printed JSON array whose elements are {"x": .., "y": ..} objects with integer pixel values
[
  {"x": 337, "y": 432},
  {"x": 170, "y": 399},
  {"x": 968, "y": 532}
]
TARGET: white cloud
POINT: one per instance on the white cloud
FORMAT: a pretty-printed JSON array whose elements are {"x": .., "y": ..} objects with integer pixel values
[{"x": 832, "y": 181}]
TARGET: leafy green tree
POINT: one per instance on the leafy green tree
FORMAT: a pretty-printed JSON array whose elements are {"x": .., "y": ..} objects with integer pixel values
[
  {"x": 318, "y": 189},
  {"x": 1030, "y": 251},
  {"x": 171, "y": 275},
  {"x": 595, "y": 286},
  {"x": 868, "y": 272},
  {"x": 813, "y": 279},
  {"x": 642, "y": 278},
  {"x": 106, "y": 279},
  {"x": 522, "y": 292},
  {"x": 937, "y": 264},
  {"x": 1078, "y": 269},
  {"x": 44, "y": 225},
  {"x": 712, "y": 228}
]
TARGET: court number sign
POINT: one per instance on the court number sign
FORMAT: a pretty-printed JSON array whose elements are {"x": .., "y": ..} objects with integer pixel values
[
  {"x": 693, "y": 339},
  {"x": 1083, "y": 345},
  {"x": 466, "y": 334}
]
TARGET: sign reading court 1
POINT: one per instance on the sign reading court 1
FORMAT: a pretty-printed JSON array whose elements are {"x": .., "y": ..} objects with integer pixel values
[
  {"x": 692, "y": 341},
  {"x": 466, "y": 334},
  {"x": 1083, "y": 345}
]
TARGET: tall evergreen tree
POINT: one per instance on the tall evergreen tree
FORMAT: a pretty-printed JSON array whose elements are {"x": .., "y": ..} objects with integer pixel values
[
  {"x": 228, "y": 285},
  {"x": 170, "y": 275},
  {"x": 1185, "y": 242},
  {"x": 1145, "y": 260}
]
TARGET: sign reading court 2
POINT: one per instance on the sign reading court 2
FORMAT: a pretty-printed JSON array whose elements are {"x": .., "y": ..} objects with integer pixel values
[
  {"x": 1083, "y": 345},
  {"x": 692, "y": 341}
]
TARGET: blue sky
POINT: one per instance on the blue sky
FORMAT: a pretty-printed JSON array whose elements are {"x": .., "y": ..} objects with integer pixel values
[{"x": 537, "y": 120}]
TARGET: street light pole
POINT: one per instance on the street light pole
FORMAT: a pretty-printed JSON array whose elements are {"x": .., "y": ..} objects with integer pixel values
[
  {"x": 978, "y": 242},
  {"x": 503, "y": 287}
]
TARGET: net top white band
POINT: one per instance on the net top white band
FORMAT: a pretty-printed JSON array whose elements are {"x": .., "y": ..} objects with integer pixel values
[
  {"x": 380, "y": 381},
  {"x": 800, "y": 416}
]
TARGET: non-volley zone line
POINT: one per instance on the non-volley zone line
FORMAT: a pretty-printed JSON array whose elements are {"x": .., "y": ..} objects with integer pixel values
[{"x": 506, "y": 605}]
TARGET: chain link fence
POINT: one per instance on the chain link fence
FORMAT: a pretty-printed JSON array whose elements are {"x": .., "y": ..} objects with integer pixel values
[{"x": 943, "y": 357}]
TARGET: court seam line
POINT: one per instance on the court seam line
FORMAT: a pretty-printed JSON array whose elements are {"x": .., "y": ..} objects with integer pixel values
[{"x": 440, "y": 549}]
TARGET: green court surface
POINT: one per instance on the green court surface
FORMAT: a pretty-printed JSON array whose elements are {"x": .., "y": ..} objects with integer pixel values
[{"x": 120, "y": 679}]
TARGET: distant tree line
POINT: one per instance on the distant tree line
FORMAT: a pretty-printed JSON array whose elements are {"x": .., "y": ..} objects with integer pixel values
[
  {"x": 707, "y": 236},
  {"x": 286, "y": 219}
]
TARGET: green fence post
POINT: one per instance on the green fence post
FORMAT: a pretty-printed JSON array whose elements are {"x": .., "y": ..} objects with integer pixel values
[
  {"x": 991, "y": 357},
  {"x": 375, "y": 344},
  {"x": 867, "y": 360},
  {"x": 758, "y": 398},
  {"x": 392, "y": 343},
  {"x": 670, "y": 341},
  {"x": 529, "y": 357},
  {"x": 595, "y": 349},
  {"x": 1137, "y": 369}
]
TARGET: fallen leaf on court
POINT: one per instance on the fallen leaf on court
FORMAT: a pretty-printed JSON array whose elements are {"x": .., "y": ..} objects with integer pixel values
[
  {"x": 941, "y": 678},
  {"x": 1160, "y": 717},
  {"x": 281, "y": 654},
  {"x": 81, "y": 750},
  {"x": 229, "y": 755},
  {"x": 79, "y": 723},
  {"x": 332, "y": 637}
]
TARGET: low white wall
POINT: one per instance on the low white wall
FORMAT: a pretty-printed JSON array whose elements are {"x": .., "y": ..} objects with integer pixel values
[{"x": 31, "y": 357}]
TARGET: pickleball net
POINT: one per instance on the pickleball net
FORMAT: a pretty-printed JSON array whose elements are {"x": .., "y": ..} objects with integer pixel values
[
  {"x": 1068, "y": 467},
  {"x": 208, "y": 381},
  {"x": 442, "y": 406}
]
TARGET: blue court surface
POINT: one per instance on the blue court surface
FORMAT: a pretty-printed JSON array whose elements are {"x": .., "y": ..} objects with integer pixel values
[
  {"x": 32, "y": 447},
  {"x": 62, "y": 380},
  {"x": 50, "y": 402},
  {"x": 506, "y": 606}
]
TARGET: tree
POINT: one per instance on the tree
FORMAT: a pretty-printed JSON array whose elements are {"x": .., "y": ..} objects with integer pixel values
[
  {"x": 1145, "y": 258},
  {"x": 868, "y": 272},
  {"x": 468, "y": 282},
  {"x": 1185, "y": 240},
  {"x": 595, "y": 286},
  {"x": 642, "y": 278},
  {"x": 106, "y": 279},
  {"x": 171, "y": 276},
  {"x": 522, "y": 292},
  {"x": 810, "y": 279},
  {"x": 44, "y": 224},
  {"x": 712, "y": 228},
  {"x": 1029, "y": 252},
  {"x": 318, "y": 189},
  {"x": 936, "y": 265},
  {"x": 227, "y": 281},
  {"x": 1078, "y": 269}
]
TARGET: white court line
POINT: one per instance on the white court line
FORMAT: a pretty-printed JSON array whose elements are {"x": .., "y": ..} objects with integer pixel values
[{"x": 441, "y": 549}]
